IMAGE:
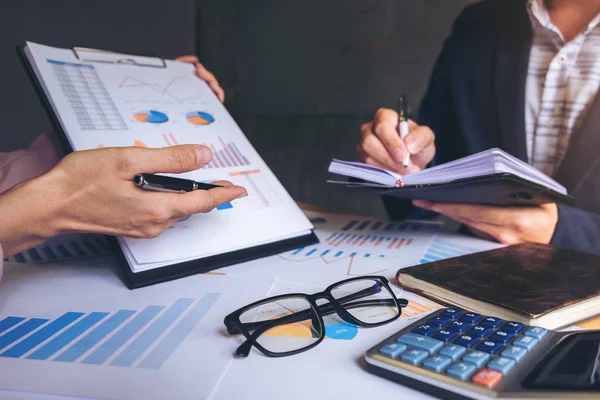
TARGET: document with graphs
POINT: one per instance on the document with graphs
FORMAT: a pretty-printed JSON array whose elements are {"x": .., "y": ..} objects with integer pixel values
[{"x": 102, "y": 99}]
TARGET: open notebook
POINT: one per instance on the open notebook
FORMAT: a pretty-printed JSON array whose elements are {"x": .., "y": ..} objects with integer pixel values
[
  {"x": 103, "y": 99},
  {"x": 489, "y": 177}
]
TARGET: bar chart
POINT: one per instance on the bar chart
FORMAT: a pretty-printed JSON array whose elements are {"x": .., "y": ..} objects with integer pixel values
[
  {"x": 126, "y": 338},
  {"x": 442, "y": 248},
  {"x": 227, "y": 155},
  {"x": 370, "y": 239},
  {"x": 417, "y": 306},
  {"x": 260, "y": 194},
  {"x": 62, "y": 248}
]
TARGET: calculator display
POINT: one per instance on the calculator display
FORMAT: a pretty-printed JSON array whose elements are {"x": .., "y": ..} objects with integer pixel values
[{"x": 574, "y": 364}]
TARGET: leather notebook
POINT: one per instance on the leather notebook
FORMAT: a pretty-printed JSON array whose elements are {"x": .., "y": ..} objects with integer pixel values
[{"x": 536, "y": 284}]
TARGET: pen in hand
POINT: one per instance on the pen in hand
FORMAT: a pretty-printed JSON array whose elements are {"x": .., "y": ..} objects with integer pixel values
[
  {"x": 169, "y": 184},
  {"x": 403, "y": 127}
]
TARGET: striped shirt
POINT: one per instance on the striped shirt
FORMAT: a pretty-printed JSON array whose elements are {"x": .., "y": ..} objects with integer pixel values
[{"x": 562, "y": 82}]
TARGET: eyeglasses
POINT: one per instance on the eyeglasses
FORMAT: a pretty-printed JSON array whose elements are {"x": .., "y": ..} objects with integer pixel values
[{"x": 289, "y": 324}]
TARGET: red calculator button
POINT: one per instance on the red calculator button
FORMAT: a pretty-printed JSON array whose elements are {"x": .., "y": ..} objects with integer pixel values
[{"x": 487, "y": 377}]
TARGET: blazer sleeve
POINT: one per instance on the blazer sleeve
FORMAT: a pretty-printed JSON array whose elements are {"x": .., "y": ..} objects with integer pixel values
[{"x": 577, "y": 229}]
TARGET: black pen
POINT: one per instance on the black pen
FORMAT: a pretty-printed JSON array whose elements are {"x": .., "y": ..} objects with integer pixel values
[{"x": 169, "y": 184}]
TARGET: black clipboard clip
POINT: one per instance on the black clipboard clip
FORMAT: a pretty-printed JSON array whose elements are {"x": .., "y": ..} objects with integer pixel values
[{"x": 110, "y": 57}]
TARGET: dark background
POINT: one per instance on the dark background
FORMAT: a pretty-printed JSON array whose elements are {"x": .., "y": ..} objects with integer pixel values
[{"x": 300, "y": 76}]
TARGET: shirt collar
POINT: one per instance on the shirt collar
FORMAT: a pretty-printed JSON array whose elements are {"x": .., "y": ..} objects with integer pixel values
[{"x": 538, "y": 14}]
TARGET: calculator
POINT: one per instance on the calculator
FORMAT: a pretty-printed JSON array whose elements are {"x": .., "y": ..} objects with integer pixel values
[{"x": 457, "y": 354}]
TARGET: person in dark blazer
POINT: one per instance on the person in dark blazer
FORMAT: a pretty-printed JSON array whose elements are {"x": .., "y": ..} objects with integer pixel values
[{"x": 523, "y": 76}]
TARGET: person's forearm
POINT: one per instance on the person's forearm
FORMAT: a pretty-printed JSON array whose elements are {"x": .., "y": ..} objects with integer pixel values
[{"x": 27, "y": 215}]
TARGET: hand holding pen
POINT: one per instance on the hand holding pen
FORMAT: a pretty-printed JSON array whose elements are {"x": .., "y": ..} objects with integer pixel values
[{"x": 392, "y": 141}]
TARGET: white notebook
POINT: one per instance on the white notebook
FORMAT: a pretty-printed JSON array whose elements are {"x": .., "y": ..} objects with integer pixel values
[{"x": 485, "y": 163}]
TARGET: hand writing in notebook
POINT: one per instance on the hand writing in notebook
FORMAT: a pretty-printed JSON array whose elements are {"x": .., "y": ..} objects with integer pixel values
[
  {"x": 508, "y": 225},
  {"x": 382, "y": 146}
]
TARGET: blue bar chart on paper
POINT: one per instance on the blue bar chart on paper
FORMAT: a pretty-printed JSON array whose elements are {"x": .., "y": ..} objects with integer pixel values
[
  {"x": 143, "y": 338},
  {"x": 443, "y": 247},
  {"x": 358, "y": 246},
  {"x": 61, "y": 248},
  {"x": 369, "y": 239}
]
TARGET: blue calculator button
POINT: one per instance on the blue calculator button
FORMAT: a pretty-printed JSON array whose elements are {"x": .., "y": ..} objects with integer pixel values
[
  {"x": 421, "y": 342},
  {"x": 479, "y": 331},
  {"x": 526, "y": 342},
  {"x": 490, "y": 347},
  {"x": 512, "y": 327},
  {"x": 462, "y": 371},
  {"x": 477, "y": 358},
  {"x": 514, "y": 353},
  {"x": 414, "y": 356},
  {"x": 424, "y": 330},
  {"x": 491, "y": 322},
  {"x": 393, "y": 349},
  {"x": 458, "y": 326},
  {"x": 536, "y": 332},
  {"x": 470, "y": 318},
  {"x": 444, "y": 335},
  {"x": 501, "y": 364},
  {"x": 451, "y": 313},
  {"x": 466, "y": 341},
  {"x": 453, "y": 351},
  {"x": 438, "y": 321},
  {"x": 437, "y": 363},
  {"x": 501, "y": 337}
]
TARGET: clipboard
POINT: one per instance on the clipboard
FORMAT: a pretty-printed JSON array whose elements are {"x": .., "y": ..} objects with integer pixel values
[{"x": 176, "y": 270}]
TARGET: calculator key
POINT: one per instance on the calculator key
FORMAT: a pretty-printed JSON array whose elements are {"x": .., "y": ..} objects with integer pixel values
[
  {"x": 470, "y": 318},
  {"x": 501, "y": 364},
  {"x": 424, "y": 330},
  {"x": 514, "y": 353},
  {"x": 438, "y": 321},
  {"x": 466, "y": 341},
  {"x": 458, "y": 326},
  {"x": 536, "y": 332},
  {"x": 512, "y": 327},
  {"x": 451, "y": 313},
  {"x": 490, "y": 347},
  {"x": 477, "y": 358},
  {"x": 526, "y": 342},
  {"x": 462, "y": 371},
  {"x": 501, "y": 337},
  {"x": 414, "y": 356},
  {"x": 437, "y": 363},
  {"x": 491, "y": 322},
  {"x": 421, "y": 342},
  {"x": 393, "y": 349},
  {"x": 444, "y": 335},
  {"x": 479, "y": 331},
  {"x": 487, "y": 377},
  {"x": 453, "y": 351}
]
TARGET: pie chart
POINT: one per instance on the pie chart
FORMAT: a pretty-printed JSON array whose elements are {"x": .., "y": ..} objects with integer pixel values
[
  {"x": 151, "y": 117},
  {"x": 200, "y": 118}
]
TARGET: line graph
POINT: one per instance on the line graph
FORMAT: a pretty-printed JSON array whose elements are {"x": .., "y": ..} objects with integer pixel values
[
  {"x": 350, "y": 260},
  {"x": 171, "y": 89}
]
